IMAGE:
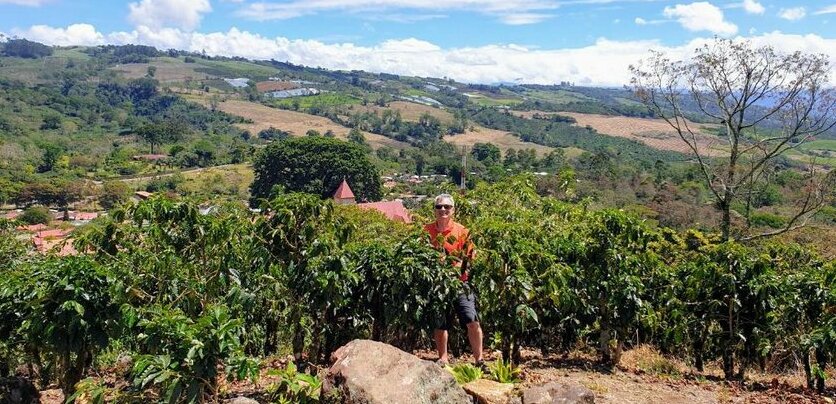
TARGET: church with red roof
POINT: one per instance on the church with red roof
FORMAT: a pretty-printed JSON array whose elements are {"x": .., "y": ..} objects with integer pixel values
[{"x": 393, "y": 210}]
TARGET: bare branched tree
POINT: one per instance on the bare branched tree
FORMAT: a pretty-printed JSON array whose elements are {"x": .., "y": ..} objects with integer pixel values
[{"x": 766, "y": 103}]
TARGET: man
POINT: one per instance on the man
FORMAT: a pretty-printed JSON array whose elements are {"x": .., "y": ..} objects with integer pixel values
[{"x": 454, "y": 240}]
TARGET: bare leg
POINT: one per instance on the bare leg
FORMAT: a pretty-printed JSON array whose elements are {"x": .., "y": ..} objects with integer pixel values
[
  {"x": 474, "y": 335},
  {"x": 441, "y": 345}
]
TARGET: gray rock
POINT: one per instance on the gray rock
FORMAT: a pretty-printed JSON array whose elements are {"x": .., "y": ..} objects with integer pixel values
[
  {"x": 558, "y": 393},
  {"x": 370, "y": 372},
  {"x": 242, "y": 400},
  {"x": 490, "y": 392},
  {"x": 18, "y": 390}
]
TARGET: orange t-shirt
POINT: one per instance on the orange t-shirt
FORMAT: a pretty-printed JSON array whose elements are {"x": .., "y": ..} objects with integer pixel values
[{"x": 456, "y": 242}]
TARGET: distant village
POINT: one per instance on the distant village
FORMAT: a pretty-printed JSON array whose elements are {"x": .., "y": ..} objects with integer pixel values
[{"x": 56, "y": 237}]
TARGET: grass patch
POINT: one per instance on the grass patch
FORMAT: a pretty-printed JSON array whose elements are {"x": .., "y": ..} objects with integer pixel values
[
  {"x": 319, "y": 100},
  {"x": 495, "y": 102},
  {"x": 646, "y": 359},
  {"x": 233, "y": 69},
  {"x": 558, "y": 96}
]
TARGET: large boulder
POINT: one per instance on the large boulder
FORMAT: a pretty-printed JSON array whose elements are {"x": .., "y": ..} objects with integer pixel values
[
  {"x": 18, "y": 390},
  {"x": 490, "y": 392},
  {"x": 558, "y": 393},
  {"x": 370, "y": 372}
]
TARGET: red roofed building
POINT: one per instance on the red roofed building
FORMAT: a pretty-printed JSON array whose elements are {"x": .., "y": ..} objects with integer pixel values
[
  {"x": 267, "y": 86},
  {"x": 86, "y": 216},
  {"x": 54, "y": 233},
  {"x": 344, "y": 195},
  {"x": 33, "y": 227},
  {"x": 12, "y": 215},
  {"x": 394, "y": 210}
]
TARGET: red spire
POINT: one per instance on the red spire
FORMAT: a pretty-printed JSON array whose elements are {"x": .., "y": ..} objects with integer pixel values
[{"x": 343, "y": 191}]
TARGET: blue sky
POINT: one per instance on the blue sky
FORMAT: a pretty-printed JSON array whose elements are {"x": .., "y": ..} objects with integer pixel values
[{"x": 591, "y": 41}]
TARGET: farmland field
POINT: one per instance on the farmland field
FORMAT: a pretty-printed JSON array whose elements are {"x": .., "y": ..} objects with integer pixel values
[
  {"x": 296, "y": 123},
  {"x": 503, "y": 140},
  {"x": 410, "y": 111},
  {"x": 319, "y": 100},
  {"x": 169, "y": 70},
  {"x": 655, "y": 133}
]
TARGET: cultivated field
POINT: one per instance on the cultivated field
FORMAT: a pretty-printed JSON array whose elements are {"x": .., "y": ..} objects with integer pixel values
[
  {"x": 503, "y": 140},
  {"x": 169, "y": 70},
  {"x": 410, "y": 111},
  {"x": 296, "y": 123},
  {"x": 655, "y": 133}
]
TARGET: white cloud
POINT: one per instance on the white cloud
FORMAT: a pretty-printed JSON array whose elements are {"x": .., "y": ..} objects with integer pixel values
[
  {"x": 512, "y": 12},
  {"x": 182, "y": 14},
  {"x": 404, "y": 18},
  {"x": 642, "y": 21},
  {"x": 76, "y": 34},
  {"x": 30, "y": 3},
  {"x": 792, "y": 14},
  {"x": 701, "y": 16},
  {"x": 604, "y": 63},
  {"x": 523, "y": 18},
  {"x": 753, "y": 7},
  {"x": 826, "y": 10}
]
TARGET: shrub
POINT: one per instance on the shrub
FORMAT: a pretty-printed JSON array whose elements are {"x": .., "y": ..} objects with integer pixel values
[
  {"x": 36, "y": 215},
  {"x": 465, "y": 373}
]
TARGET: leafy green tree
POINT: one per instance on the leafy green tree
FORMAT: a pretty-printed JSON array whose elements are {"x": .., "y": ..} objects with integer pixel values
[
  {"x": 487, "y": 153},
  {"x": 272, "y": 133},
  {"x": 51, "y": 121},
  {"x": 35, "y": 215},
  {"x": 356, "y": 136},
  {"x": 114, "y": 193},
  {"x": 66, "y": 307},
  {"x": 314, "y": 165},
  {"x": 50, "y": 157},
  {"x": 158, "y": 133},
  {"x": 25, "y": 49}
]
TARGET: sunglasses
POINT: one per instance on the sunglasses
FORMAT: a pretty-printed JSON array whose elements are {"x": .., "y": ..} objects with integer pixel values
[{"x": 448, "y": 207}]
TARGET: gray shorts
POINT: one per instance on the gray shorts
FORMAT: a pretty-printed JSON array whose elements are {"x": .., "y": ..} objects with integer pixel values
[{"x": 465, "y": 308}]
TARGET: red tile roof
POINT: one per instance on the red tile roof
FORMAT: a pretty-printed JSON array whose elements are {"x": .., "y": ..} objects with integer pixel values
[
  {"x": 33, "y": 227},
  {"x": 86, "y": 215},
  {"x": 265, "y": 86},
  {"x": 394, "y": 210},
  {"x": 12, "y": 215},
  {"x": 343, "y": 191},
  {"x": 54, "y": 233}
]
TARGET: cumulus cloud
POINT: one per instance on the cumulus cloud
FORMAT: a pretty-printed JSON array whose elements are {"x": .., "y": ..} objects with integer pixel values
[
  {"x": 753, "y": 7},
  {"x": 156, "y": 14},
  {"x": 604, "y": 63},
  {"x": 76, "y": 34},
  {"x": 826, "y": 10},
  {"x": 701, "y": 16},
  {"x": 792, "y": 14},
  {"x": 512, "y": 12}
]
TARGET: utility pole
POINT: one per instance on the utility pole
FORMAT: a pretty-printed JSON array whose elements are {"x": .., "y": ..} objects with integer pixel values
[{"x": 463, "y": 185}]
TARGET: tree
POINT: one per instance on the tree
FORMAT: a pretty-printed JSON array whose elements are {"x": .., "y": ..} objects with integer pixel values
[
  {"x": 766, "y": 102},
  {"x": 113, "y": 194},
  {"x": 161, "y": 132},
  {"x": 487, "y": 153},
  {"x": 356, "y": 137},
  {"x": 314, "y": 165},
  {"x": 25, "y": 49},
  {"x": 35, "y": 215}
]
